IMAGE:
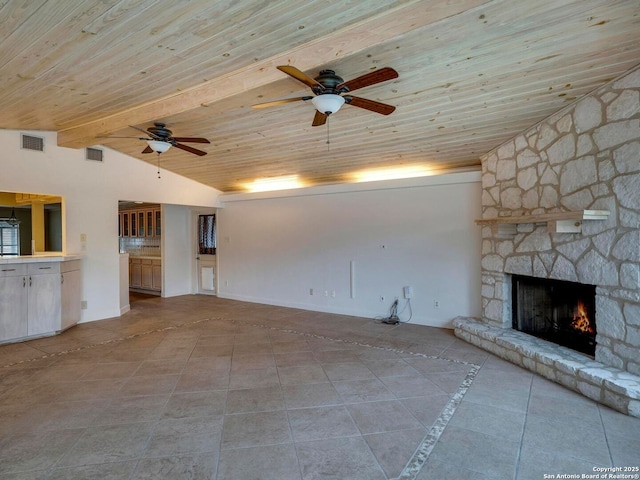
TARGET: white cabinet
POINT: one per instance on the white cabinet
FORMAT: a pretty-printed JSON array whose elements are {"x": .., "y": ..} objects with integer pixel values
[
  {"x": 44, "y": 300},
  {"x": 38, "y": 298},
  {"x": 13, "y": 301},
  {"x": 70, "y": 294}
]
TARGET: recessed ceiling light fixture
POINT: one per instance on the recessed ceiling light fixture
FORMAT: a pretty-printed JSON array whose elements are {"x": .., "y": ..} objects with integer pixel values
[
  {"x": 391, "y": 173},
  {"x": 270, "y": 184}
]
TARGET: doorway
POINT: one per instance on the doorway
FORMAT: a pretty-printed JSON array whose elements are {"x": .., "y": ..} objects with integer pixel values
[{"x": 206, "y": 253}]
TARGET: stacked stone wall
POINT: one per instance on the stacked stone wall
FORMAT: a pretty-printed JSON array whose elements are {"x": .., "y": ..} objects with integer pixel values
[{"x": 586, "y": 156}]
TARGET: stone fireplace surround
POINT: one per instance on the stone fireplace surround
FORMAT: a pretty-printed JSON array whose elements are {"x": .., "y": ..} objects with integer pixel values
[{"x": 584, "y": 157}]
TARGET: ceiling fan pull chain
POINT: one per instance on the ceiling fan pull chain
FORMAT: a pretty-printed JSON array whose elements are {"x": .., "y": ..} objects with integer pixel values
[
  {"x": 159, "y": 165},
  {"x": 328, "y": 141}
]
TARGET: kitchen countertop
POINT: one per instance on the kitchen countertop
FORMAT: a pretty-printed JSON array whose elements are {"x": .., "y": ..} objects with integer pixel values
[{"x": 38, "y": 258}]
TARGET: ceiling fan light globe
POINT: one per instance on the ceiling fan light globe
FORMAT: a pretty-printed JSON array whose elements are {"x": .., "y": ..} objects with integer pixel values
[
  {"x": 158, "y": 146},
  {"x": 328, "y": 103}
]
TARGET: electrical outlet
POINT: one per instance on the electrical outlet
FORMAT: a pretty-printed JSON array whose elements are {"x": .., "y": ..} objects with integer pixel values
[
  {"x": 408, "y": 292},
  {"x": 382, "y": 298},
  {"x": 436, "y": 304},
  {"x": 311, "y": 291},
  {"x": 83, "y": 305}
]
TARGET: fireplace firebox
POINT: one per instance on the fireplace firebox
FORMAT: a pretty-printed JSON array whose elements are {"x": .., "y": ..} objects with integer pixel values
[{"x": 557, "y": 311}]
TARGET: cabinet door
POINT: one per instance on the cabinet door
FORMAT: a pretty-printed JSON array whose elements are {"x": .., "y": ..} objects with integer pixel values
[
  {"x": 147, "y": 274},
  {"x": 70, "y": 292},
  {"x": 43, "y": 303},
  {"x": 134, "y": 224},
  {"x": 141, "y": 229},
  {"x": 158, "y": 223},
  {"x": 13, "y": 307},
  {"x": 136, "y": 274},
  {"x": 149, "y": 214},
  {"x": 157, "y": 275},
  {"x": 125, "y": 224}
]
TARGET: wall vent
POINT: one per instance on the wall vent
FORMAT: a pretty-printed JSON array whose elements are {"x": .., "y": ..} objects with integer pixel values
[
  {"x": 94, "y": 154},
  {"x": 29, "y": 142}
]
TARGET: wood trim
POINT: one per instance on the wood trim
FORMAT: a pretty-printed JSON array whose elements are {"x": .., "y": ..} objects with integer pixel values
[
  {"x": 547, "y": 217},
  {"x": 557, "y": 222}
]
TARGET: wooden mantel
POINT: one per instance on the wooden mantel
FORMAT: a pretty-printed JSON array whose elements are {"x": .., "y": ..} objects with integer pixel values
[{"x": 557, "y": 222}]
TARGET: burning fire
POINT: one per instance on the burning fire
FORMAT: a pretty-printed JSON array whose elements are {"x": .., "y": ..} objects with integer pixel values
[{"x": 581, "y": 320}]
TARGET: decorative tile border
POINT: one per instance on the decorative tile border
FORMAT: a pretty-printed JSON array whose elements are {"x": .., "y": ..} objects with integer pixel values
[
  {"x": 107, "y": 342},
  {"x": 426, "y": 445},
  {"x": 422, "y": 453}
]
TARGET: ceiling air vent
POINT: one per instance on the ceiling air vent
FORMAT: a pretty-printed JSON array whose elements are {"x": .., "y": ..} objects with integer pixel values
[
  {"x": 94, "y": 154},
  {"x": 30, "y": 142}
]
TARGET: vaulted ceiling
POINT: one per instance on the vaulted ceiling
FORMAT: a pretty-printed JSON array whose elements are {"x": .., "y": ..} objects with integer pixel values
[{"x": 472, "y": 74}]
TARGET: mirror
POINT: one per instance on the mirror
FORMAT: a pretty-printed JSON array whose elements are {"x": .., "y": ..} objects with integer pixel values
[{"x": 40, "y": 227}]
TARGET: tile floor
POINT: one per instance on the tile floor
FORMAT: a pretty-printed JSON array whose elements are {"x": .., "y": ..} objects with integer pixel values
[{"x": 198, "y": 387}]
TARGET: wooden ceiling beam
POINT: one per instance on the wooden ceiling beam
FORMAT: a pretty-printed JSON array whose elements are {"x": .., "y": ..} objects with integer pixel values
[{"x": 359, "y": 36}]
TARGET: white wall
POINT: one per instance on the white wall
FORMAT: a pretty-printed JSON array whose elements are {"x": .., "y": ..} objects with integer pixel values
[
  {"x": 177, "y": 246},
  {"x": 417, "y": 232},
  {"x": 91, "y": 191}
]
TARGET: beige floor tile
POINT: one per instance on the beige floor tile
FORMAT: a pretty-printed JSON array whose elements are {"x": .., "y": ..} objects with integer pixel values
[
  {"x": 310, "y": 395},
  {"x": 321, "y": 422},
  {"x": 338, "y": 458},
  {"x": 287, "y": 394},
  {"x": 254, "y": 400},
  {"x": 255, "y": 429},
  {"x": 387, "y": 416},
  {"x": 110, "y": 471},
  {"x": 274, "y": 462},
  {"x": 178, "y": 436},
  {"x": 394, "y": 449},
  {"x": 177, "y": 467}
]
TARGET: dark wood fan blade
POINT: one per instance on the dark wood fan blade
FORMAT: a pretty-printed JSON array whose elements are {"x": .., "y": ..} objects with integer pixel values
[
  {"x": 280, "y": 102},
  {"x": 300, "y": 76},
  {"x": 189, "y": 149},
  {"x": 151, "y": 134},
  {"x": 109, "y": 136},
  {"x": 147, "y": 150},
  {"x": 372, "y": 105},
  {"x": 319, "y": 119},
  {"x": 367, "y": 79},
  {"x": 191, "y": 139}
]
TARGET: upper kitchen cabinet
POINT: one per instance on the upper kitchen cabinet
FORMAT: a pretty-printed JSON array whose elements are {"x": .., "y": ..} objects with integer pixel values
[{"x": 143, "y": 221}]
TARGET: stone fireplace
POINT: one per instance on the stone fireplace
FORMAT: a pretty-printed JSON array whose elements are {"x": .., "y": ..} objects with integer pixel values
[
  {"x": 561, "y": 201},
  {"x": 557, "y": 311}
]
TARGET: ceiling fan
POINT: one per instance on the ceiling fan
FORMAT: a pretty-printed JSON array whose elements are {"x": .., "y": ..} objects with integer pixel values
[
  {"x": 160, "y": 139},
  {"x": 330, "y": 92}
]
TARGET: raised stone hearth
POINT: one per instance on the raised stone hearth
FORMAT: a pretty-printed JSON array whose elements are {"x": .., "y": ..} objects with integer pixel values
[
  {"x": 608, "y": 385},
  {"x": 584, "y": 158}
]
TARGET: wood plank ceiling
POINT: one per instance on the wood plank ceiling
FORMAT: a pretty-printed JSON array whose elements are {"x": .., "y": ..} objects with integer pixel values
[{"x": 472, "y": 74}]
